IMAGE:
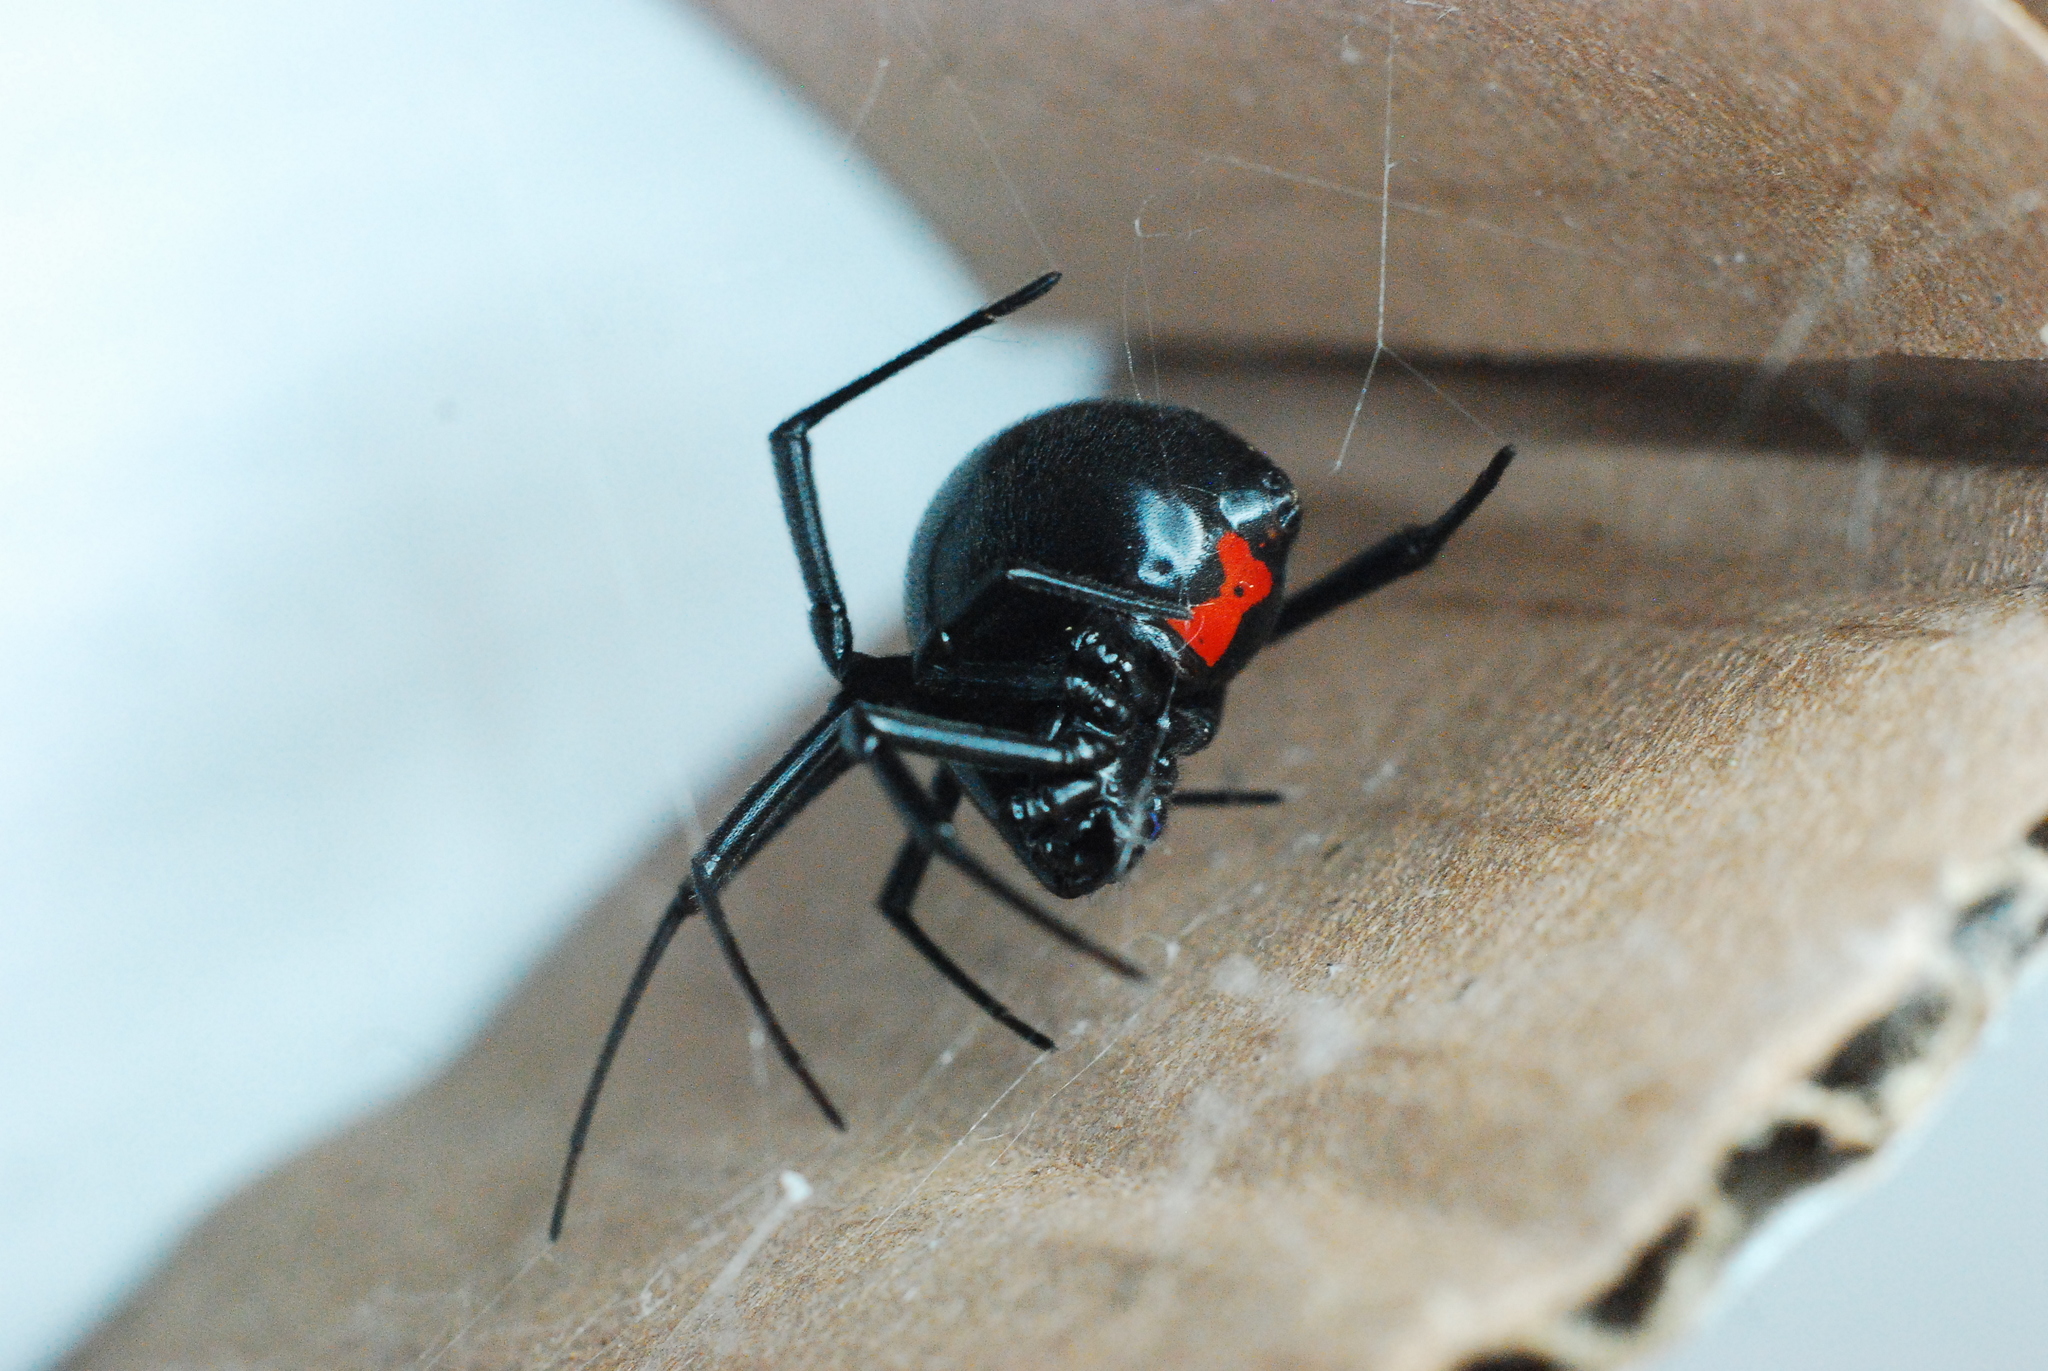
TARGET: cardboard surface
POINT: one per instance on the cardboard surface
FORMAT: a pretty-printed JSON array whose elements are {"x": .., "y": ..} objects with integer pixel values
[
  {"x": 1734, "y": 179},
  {"x": 1607, "y": 834}
]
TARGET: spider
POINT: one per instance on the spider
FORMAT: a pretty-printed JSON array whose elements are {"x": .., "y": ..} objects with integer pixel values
[{"x": 1081, "y": 591}]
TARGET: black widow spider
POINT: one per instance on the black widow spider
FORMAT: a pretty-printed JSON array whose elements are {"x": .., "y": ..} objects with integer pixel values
[{"x": 1081, "y": 591}]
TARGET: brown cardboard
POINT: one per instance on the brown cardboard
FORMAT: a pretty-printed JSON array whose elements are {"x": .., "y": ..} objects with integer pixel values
[
  {"x": 1649, "y": 858},
  {"x": 1725, "y": 179}
]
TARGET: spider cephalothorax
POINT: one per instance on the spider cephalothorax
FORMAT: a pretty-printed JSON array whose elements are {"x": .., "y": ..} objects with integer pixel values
[{"x": 1081, "y": 591}]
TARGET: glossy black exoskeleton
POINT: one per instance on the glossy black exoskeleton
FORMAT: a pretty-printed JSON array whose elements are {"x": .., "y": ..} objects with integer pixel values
[
  {"x": 1105, "y": 621},
  {"x": 1081, "y": 591}
]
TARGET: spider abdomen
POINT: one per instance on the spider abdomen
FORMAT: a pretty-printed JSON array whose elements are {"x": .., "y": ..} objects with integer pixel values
[{"x": 1149, "y": 499}]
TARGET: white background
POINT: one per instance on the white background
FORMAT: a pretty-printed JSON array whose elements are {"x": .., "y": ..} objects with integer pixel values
[
  {"x": 387, "y": 540},
  {"x": 387, "y": 537}
]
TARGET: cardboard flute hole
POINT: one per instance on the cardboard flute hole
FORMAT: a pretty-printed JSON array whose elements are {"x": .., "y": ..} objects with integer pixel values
[
  {"x": 1513, "y": 1361},
  {"x": 1874, "y": 1051},
  {"x": 1634, "y": 1297}
]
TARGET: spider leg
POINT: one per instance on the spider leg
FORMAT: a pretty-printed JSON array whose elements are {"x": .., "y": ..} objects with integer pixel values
[
  {"x": 955, "y": 740},
  {"x": 714, "y": 914},
  {"x": 791, "y": 445},
  {"x": 1399, "y": 554},
  {"x": 900, "y": 890},
  {"x": 1217, "y": 798},
  {"x": 937, "y": 834},
  {"x": 934, "y": 655},
  {"x": 813, "y": 763},
  {"x": 1082, "y": 590},
  {"x": 906, "y": 874}
]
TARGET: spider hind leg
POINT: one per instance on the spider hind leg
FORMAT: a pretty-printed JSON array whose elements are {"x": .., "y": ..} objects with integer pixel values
[
  {"x": 899, "y": 892},
  {"x": 728, "y": 946},
  {"x": 865, "y": 738},
  {"x": 805, "y": 772}
]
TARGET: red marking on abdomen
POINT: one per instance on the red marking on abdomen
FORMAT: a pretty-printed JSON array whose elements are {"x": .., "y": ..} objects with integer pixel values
[{"x": 1246, "y": 581}]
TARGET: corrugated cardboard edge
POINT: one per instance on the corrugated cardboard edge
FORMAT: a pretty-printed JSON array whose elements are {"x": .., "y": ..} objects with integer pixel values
[{"x": 1981, "y": 933}]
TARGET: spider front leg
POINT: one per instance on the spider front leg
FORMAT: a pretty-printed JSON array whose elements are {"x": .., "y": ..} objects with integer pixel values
[
  {"x": 791, "y": 445},
  {"x": 1401, "y": 553}
]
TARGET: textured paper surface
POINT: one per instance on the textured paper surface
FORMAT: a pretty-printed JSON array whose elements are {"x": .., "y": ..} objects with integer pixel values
[
  {"x": 1607, "y": 834},
  {"x": 1664, "y": 178}
]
